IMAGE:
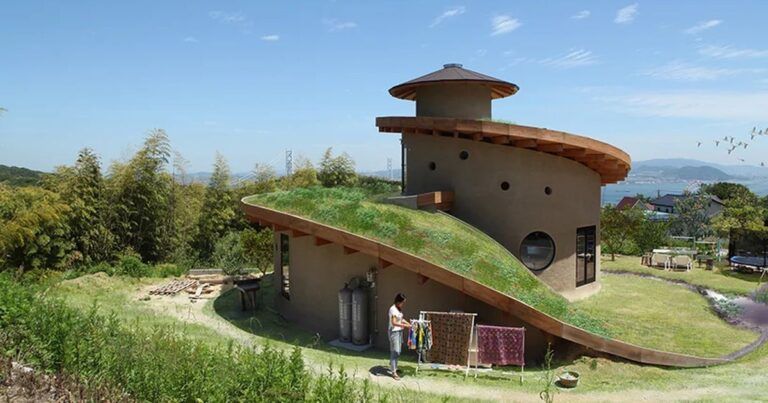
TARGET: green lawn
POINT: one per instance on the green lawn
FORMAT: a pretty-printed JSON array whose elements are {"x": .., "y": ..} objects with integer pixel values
[
  {"x": 663, "y": 316},
  {"x": 720, "y": 279},
  {"x": 602, "y": 379},
  {"x": 436, "y": 237}
]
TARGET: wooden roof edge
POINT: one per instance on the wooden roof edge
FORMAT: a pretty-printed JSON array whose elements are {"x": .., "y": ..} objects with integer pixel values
[{"x": 477, "y": 290}]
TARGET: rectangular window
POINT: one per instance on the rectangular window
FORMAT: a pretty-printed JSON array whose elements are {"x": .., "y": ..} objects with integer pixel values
[
  {"x": 586, "y": 244},
  {"x": 285, "y": 276},
  {"x": 403, "y": 165}
]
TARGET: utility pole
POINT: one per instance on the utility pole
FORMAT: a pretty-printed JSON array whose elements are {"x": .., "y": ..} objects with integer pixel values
[
  {"x": 389, "y": 168},
  {"x": 288, "y": 162}
]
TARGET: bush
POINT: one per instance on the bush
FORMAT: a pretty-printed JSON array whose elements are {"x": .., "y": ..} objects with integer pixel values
[
  {"x": 167, "y": 270},
  {"x": 132, "y": 266},
  {"x": 156, "y": 365}
]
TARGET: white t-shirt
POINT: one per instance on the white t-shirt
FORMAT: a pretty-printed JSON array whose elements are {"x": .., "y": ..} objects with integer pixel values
[{"x": 394, "y": 312}]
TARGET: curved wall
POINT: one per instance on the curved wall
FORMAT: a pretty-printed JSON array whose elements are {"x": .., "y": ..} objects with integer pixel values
[
  {"x": 463, "y": 101},
  {"x": 509, "y": 216}
]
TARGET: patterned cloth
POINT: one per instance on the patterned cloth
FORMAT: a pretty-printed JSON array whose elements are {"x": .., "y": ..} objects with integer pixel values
[
  {"x": 501, "y": 345},
  {"x": 450, "y": 337}
]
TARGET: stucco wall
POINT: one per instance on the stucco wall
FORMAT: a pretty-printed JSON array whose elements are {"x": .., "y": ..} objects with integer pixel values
[
  {"x": 509, "y": 216},
  {"x": 319, "y": 272},
  {"x": 463, "y": 101}
]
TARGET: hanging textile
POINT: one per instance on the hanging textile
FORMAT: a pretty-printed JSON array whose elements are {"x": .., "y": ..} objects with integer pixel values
[
  {"x": 500, "y": 345},
  {"x": 450, "y": 333},
  {"x": 420, "y": 335}
]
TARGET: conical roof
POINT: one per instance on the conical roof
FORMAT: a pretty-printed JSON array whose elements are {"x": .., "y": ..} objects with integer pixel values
[{"x": 454, "y": 73}]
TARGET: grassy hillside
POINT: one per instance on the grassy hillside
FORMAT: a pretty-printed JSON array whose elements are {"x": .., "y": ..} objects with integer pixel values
[
  {"x": 17, "y": 176},
  {"x": 436, "y": 237}
]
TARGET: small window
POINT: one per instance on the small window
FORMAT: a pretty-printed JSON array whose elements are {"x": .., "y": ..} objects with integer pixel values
[
  {"x": 285, "y": 275},
  {"x": 547, "y": 190},
  {"x": 505, "y": 185},
  {"x": 537, "y": 251},
  {"x": 432, "y": 166},
  {"x": 464, "y": 155}
]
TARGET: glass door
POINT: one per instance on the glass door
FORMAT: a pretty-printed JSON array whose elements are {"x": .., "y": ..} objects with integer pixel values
[{"x": 585, "y": 255}]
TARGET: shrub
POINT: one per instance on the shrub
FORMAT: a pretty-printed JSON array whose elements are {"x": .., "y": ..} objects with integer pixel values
[
  {"x": 131, "y": 265},
  {"x": 228, "y": 254},
  {"x": 167, "y": 270},
  {"x": 159, "y": 364}
]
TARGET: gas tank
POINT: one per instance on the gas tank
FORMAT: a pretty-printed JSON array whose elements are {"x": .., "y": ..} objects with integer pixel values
[
  {"x": 360, "y": 316},
  {"x": 345, "y": 314}
]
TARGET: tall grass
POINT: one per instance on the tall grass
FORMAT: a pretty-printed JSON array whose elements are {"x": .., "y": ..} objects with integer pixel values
[{"x": 158, "y": 364}]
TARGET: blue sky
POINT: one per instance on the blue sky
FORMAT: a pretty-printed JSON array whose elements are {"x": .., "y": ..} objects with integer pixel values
[{"x": 251, "y": 79}]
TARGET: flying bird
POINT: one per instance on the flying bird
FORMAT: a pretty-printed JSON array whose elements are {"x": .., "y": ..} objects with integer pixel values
[
  {"x": 730, "y": 150},
  {"x": 699, "y": 144},
  {"x": 762, "y": 164},
  {"x": 741, "y": 159},
  {"x": 745, "y": 145},
  {"x": 717, "y": 143},
  {"x": 752, "y": 136}
]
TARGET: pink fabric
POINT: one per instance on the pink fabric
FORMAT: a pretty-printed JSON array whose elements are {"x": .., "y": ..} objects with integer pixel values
[{"x": 500, "y": 345}]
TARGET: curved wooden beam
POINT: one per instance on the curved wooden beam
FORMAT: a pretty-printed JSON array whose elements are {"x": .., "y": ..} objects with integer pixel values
[
  {"x": 506, "y": 303},
  {"x": 614, "y": 164}
]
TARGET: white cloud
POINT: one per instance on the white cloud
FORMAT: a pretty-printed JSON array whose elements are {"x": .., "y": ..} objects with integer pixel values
[
  {"x": 237, "y": 19},
  {"x": 693, "y": 104},
  {"x": 574, "y": 58},
  {"x": 729, "y": 52},
  {"x": 581, "y": 15},
  {"x": 626, "y": 14},
  {"x": 451, "y": 12},
  {"x": 270, "y": 38},
  {"x": 336, "y": 25},
  {"x": 702, "y": 26},
  {"x": 685, "y": 72},
  {"x": 190, "y": 39},
  {"x": 503, "y": 23}
]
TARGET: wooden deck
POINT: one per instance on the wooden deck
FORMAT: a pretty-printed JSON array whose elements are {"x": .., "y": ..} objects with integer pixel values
[{"x": 611, "y": 163}]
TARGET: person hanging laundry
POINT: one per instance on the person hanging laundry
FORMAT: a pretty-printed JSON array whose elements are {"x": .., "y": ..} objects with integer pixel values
[
  {"x": 501, "y": 345},
  {"x": 395, "y": 327}
]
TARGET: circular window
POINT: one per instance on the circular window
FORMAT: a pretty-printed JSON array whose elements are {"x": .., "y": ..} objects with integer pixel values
[
  {"x": 432, "y": 166},
  {"x": 464, "y": 155},
  {"x": 505, "y": 185},
  {"x": 548, "y": 190},
  {"x": 537, "y": 251}
]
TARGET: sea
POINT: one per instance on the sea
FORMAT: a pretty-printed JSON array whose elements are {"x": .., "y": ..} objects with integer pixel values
[{"x": 611, "y": 194}]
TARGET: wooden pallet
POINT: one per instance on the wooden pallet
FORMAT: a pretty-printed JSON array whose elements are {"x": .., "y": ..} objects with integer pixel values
[{"x": 173, "y": 288}]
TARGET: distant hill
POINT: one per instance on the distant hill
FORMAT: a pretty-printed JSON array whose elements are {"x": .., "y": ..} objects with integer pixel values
[
  {"x": 743, "y": 171},
  {"x": 18, "y": 176}
]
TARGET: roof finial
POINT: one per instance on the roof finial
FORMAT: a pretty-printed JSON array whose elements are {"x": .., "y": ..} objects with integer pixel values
[{"x": 449, "y": 65}]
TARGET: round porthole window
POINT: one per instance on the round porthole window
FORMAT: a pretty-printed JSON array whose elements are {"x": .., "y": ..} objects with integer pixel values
[
  {"x": 537, "y": 251},
  {"x": 432, "y": 166},
  {"x": 464, "y": 155},
  {"x": 547, "y": 190},
  {"x": 505, "y": 185}
]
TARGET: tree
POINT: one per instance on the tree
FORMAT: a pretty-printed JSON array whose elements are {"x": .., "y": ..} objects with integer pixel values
[
  {"x": 691, "y": 217},
  {"x": 228, "y": 254},
  {"x": 617, "y": 227},
  {"x": 304, "y": 175},
  {"x": 650, "y": 234},
  {"x": 217, "y": 212},
  {"x": 140, "y": 192},
  {"x": 727, "y": 190},
  {"x": 264, "y": 179},
  {"x": 84, "y": 193},
  {"x": 741, "y": 213},
  {"x": 337, "y": 171},
  {"x": 34, "y": 226},
  {"x": 258, "y": 247}
]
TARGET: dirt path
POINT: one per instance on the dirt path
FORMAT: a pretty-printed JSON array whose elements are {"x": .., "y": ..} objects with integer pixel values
[{"x": 181, "y": 308}]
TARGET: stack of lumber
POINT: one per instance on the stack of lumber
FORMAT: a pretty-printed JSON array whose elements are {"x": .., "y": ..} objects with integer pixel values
[{"x": 173, "y": 287}]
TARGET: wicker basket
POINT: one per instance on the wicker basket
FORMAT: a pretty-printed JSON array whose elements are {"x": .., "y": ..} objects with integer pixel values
[{"x": 568, "y": 379}]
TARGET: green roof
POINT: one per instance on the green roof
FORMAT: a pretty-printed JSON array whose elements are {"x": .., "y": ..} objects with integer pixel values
[{"x": 436, "y": 237}]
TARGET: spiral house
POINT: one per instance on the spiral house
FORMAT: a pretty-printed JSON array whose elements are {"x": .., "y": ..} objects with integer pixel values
[{"x": 532, "y": 192}]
